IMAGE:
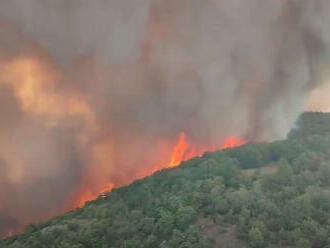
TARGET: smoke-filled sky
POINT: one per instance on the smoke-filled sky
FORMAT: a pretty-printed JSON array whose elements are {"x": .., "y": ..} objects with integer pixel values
[
  {"x": 96, "y": 92},
  {"x": 319, "y": 99}
]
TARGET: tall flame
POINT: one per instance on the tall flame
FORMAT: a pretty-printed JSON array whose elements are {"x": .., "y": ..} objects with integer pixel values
[
  {"x": 183, "y": 151},
  {"x": 179, "y": 151}
]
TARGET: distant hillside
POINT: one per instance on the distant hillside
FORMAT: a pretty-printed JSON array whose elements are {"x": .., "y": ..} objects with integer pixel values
[
  {"x": 259, "y": 195},
  {"x": 311, "y": 123}
]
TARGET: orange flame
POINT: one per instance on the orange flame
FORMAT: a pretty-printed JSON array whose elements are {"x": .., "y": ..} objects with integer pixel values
[
  {"x": 34, "y": 86},
  {"x": 179, "y": 151},
  {"x": 232, "y": 142},
  {"x": 88, "y": 196},
  {"x": 182, "y": 151}
]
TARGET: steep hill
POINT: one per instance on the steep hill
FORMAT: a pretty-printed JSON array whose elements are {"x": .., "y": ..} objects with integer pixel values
[{"x": 259, "y": 195}]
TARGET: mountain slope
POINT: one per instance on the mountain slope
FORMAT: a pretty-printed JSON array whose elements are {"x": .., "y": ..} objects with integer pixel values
[{"x": 259, "y": 195}]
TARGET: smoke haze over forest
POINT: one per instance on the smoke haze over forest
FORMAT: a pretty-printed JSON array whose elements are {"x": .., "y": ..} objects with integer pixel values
[{"x": 94, "y": 93}]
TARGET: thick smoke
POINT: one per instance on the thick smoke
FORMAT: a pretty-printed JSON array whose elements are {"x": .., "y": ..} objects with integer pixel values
[
  {"x": 96, "y": 92},
  {"x": 319, "y": 99}
]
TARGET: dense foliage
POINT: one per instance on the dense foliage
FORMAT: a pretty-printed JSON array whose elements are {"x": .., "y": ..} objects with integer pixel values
[{"x": 258, "y": 195}]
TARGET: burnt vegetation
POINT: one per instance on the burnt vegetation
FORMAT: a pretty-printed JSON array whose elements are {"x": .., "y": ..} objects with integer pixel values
[{"x": 259, "y": 195}]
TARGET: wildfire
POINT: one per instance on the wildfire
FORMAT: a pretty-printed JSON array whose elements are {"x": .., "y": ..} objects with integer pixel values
[
  {"x": 232, "y": 142},
  {"x": 179, "y": 151},
  {"x": 88, "y": 196},
  {"x": 182, "y": 151},
  {"x": 34, "y": 86}
]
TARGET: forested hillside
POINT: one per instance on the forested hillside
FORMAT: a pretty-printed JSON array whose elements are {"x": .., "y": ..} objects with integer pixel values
[{"x": 259, "y": 195}]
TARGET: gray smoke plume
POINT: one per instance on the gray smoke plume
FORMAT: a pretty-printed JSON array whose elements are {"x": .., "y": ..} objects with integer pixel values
[{"x": 96, "y": 92}]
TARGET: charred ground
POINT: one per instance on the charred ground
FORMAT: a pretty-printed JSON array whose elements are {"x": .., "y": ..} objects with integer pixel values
[{"x": 259, "y": 195}]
